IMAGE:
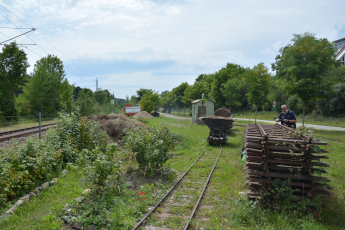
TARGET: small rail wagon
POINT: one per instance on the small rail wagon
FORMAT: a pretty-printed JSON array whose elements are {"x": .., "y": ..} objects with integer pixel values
[{"x": 219, "y": 125}]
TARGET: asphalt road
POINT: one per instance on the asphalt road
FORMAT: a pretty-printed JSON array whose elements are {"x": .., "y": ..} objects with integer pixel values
[{"x": 322, "y": 127}]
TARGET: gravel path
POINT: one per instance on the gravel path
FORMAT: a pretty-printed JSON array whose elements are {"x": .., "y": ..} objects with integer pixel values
[
  {"x": 323, "y": 127},
  {"x": 175, "y": 117}
]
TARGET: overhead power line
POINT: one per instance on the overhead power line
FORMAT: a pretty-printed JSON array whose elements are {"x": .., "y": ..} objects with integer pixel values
[
  {"x": 33, "y": 29},
  {"x": 4, "y": 27},
  {"x": 46, "y": 41}
]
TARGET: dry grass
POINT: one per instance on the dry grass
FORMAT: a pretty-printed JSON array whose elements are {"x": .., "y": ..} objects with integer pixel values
[{"x": 114, "y": 125}]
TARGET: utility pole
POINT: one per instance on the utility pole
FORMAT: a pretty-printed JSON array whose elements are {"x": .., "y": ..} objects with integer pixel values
[{"x": 96, "y": 87}]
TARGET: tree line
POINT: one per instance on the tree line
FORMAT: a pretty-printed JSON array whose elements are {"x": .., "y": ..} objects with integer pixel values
[
  {"x": 46, "y": 89},
  {"x": 305, "y": 77}
]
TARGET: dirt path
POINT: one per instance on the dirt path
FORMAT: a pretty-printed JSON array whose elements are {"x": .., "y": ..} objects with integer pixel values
[
  {"x": 322, "y": 127},
  {"x": 175, "y": 117}
]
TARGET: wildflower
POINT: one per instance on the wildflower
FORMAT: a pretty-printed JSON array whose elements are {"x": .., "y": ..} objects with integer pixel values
[
  {"x": 143, "y": 198},
  {"x": 141, "y": 194}
]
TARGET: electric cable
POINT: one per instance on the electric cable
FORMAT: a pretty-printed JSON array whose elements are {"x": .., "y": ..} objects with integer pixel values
[{"x": 45, "y": 40}]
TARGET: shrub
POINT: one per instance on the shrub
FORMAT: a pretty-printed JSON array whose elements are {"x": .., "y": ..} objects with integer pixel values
[
  {"x": 80, "y": 134},
  {"x": 150, "y": 145},
  {"x": 104, "y": 176},
  {"x": 24, "y": 167}
]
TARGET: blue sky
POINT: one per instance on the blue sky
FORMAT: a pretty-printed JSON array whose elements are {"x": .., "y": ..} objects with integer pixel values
[{"x": 129, "y": 44}]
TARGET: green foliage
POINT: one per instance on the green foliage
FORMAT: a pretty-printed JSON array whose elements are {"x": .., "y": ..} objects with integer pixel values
[
  {"x": 336, "y": 75},
  {"x": 79, "y": 134},
  {"x": 167, "y": 100},
  {"x": 143, "y": 120},
  {"x": 86, "y": 102},
  {"x": 195, "y": 92},
  {"x": 283, "y": 197},
  {"x": 259, "y": 81},
  {"x": 335, "y": 105},
  {"x": 23, "y": 105},
  {"x": 25, "y": 166},
  {"x": 151, "y": 146},
  {"x": 140, "y": 93},
  {"x": 223, "y": 81},
  {"x": 301, "y": 67},
  {"x": 149, "y": 102},
  {"x": 66, "y": 96},
  {"x": 179, "y": 94},
  {"x": 47, "y": 85},
  {"x": 103, "y": 170},
  {"x": 13, "y": 65}
]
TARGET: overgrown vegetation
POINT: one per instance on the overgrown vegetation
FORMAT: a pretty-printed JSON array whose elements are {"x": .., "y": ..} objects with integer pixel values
[
  {"x": 25, "y": 166},
  {"x": 117, "y": 202},
  {"x": 151, "y": 146}
]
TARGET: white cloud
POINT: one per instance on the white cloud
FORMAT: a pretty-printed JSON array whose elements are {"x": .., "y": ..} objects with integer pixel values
[{"x": 198, "y": 36}]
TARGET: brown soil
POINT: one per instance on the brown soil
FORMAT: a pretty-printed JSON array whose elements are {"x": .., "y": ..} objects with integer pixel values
[
  {"x": 218, "y": 117},
  {"x": 143, "y": 114},
  {"x": 137, "y": 179},
  {"x": 113, "y": 125}
]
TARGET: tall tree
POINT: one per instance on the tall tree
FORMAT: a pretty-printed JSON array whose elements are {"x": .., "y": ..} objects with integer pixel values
[
  {"x": 220, "y": 87},
  {"x": 150, "y": 101},
  {"x": 302, "y": 66},
  {"x": 258, "y": 80},
  {"x": 86, "y": 102},
  {"x": 44, "y": 88},
  {"x": 179, "y": 93},
  {"x": 13, "y": 65},
  {"x": 66, "y": 96},
  {"x": 195, "y": 92},
  {"x": 141, "y": 92},
  {"x": 167, "y": 100}
]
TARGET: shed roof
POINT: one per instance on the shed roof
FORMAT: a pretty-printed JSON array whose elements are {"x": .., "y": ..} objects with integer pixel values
[
  {"x": 339, "y": 40},
  {"x": 340, "y": 54},
  {"x": 196, "y": 101}
]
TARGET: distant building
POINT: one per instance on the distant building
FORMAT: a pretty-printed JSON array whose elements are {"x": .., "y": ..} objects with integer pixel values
[
  {"x": 201, "y": 110},
  {"x": 340, "y": 50}
]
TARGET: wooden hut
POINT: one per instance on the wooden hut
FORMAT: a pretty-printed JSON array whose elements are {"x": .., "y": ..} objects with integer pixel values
[{"x": 201, "y": 110}]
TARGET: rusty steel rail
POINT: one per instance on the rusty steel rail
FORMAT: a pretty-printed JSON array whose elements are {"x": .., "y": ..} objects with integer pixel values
[
  {"x": 174, "y": 186},
  {"x": 5, "y": 136},
  {"x": 278, "y": 152},
  {"x": 202, "y": 193},
  {"x": 167, "y": 194}
]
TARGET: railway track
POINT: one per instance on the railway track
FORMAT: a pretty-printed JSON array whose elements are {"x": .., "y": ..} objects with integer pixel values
[
  {"x": 6, "y": 136},
  {"x": 183, "y": 199}
]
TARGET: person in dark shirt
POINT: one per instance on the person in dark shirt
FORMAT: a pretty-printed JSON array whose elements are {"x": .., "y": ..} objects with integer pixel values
[{"x": 287, "y": 117}]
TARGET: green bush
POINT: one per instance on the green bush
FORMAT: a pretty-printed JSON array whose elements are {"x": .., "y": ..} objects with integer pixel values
[
  {"x": 23, "y": 167},
  {"x": 81, "y": 134},
  {"x": 150, "y": 145}
]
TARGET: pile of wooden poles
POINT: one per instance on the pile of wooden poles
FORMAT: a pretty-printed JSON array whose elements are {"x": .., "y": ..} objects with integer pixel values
[{"x": 278, "y": 152}]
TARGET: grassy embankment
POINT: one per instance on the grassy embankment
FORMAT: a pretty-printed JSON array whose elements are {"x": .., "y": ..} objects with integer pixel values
[{"x": 221, "y": 196}]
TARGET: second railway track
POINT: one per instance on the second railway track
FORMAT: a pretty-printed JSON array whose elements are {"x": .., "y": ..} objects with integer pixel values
[
  {"x": 8, "y": 135},
  {"x": 177, "y": 208}
]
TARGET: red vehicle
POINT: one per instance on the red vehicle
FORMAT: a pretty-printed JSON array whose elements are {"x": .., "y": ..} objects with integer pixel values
[{"x": 131, "y": 110}]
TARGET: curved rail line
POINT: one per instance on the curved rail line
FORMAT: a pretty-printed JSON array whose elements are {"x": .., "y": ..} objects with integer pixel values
[
  {"x": 8, "y": 135},
  {"x": 139, "y": 224}
]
